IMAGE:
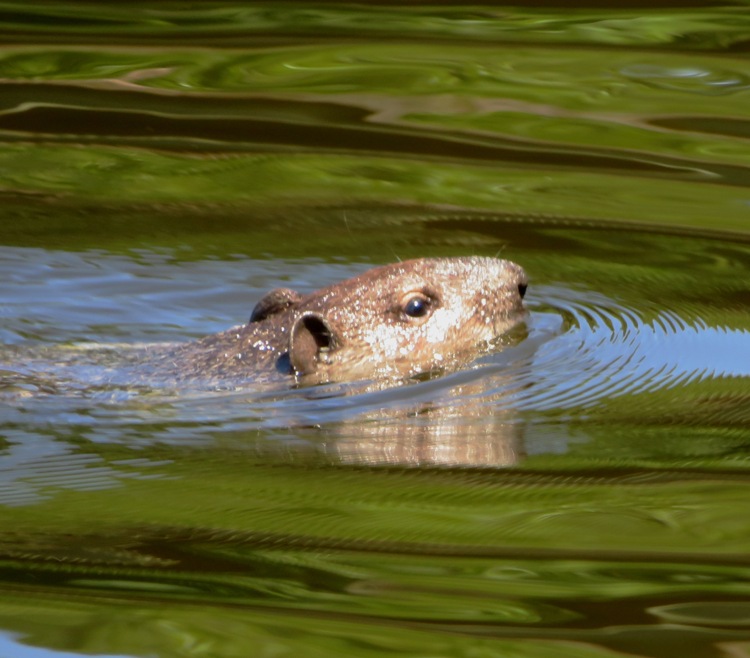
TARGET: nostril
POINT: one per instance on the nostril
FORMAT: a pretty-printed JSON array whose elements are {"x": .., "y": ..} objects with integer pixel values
[{"x": 522, "y": 289}]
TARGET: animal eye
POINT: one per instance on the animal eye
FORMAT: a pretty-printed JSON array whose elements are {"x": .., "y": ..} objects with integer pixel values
[{"x": 417, "y": 306}]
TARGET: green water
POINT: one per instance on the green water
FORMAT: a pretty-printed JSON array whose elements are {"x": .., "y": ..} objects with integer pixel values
[{"x": 581, "y": 494}]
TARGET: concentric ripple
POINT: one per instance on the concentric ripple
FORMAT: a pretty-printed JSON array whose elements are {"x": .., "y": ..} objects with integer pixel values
[{"x": 604, "y": 349}]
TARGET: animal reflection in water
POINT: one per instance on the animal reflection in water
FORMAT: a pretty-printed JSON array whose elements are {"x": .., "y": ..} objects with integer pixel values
[
  {"x": 465, "y": 435},
  {"x": 465, "y": 419}
]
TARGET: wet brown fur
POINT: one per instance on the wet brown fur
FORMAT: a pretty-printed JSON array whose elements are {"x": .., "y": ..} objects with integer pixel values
[{"x": 397, "y": 320}]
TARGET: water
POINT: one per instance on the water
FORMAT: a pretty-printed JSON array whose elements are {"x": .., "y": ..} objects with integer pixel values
[{"x": 581, "y": 493}]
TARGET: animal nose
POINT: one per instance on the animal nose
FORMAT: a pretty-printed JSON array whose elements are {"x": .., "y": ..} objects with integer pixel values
[{"x": 522, "y": 289}]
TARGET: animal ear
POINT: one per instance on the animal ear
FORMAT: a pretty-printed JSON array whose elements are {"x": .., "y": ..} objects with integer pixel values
[
  {"x": 311, "y": 339},
  {"x": 273, "y": 302}
]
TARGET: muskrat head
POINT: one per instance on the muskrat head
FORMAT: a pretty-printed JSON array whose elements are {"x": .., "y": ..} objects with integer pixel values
[{"x": 405, "y": 319}]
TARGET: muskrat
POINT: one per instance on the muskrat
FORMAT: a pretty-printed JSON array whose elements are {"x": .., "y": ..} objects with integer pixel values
[{"x": 394, "y": 321}]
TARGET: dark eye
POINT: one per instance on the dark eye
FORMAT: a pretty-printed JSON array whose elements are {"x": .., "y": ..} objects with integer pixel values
[{"x": 417, "y": 306}]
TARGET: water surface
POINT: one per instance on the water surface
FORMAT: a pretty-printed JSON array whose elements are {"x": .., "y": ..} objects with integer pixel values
[{"x": 581, "y": 493}]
